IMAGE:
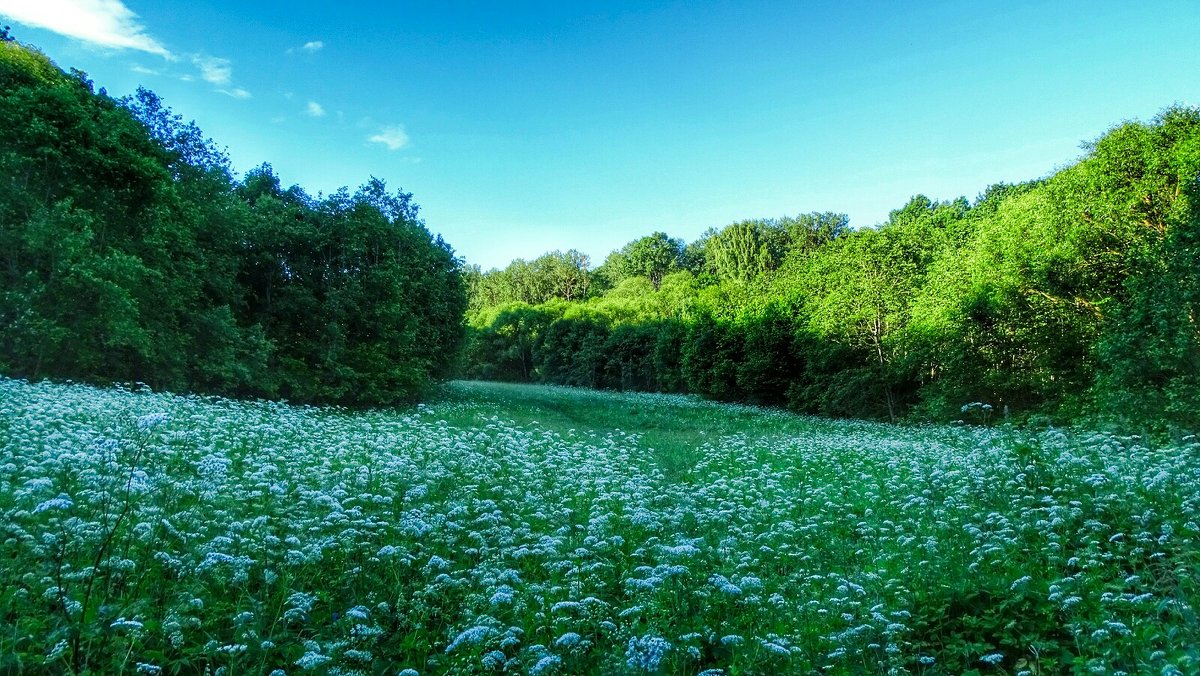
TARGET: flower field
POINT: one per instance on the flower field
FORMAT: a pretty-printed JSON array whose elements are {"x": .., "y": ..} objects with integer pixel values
[{"x": 508, "y": 529}]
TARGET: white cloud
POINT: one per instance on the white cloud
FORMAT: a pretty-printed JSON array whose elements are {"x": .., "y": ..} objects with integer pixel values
[
  {"x": 315, "y": 109},
  {"x": 142, "y": 70},
  {"x": 392, "y": 137},
  {"x": 106, "y": 23},
  {"x": 215, "y": 70},
  {"x": 310, "y": 47}
]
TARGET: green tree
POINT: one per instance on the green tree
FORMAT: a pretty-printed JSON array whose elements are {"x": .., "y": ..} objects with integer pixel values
[
  {"x": 505, "y": 341},
  {"x": 1014, "y": 314},
  {"x": 129, "y": 253},
  {"x": 652, "y": 257},
  {"x": 806, "y": 232},
  {"x": 710, "y": 358},
  {"x": 742, "y": 251},
  {"x": 1051, "y": 295},
  {"x": 859, "y": 290},
  {"x": 567, "y": 274},
  {"x": 362, "y": 304},
  {"x": 108, "y": 276},
  {"x": 572, "y": 351},
  {"x": 1150, "y": 346}
]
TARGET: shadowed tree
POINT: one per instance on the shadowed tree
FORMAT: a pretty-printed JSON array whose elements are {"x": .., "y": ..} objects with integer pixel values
[{"x": 129, "y": 253}]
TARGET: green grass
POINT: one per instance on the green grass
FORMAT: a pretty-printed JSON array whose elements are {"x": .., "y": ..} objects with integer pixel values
[
  {"x": 542, "y": 530},
  {"x": 672, "y": 428}
]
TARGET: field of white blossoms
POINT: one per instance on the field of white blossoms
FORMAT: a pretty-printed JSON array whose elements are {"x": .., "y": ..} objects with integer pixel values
[{"x": 554, "y": 531}]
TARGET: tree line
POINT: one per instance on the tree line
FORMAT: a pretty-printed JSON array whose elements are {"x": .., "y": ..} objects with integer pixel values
[
  {"x": 1071, "y": 295},
  {"x": 130, "y": 253}
]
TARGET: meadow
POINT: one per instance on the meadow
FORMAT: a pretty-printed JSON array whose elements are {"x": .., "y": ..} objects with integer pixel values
[{"x": 540, "y": 530}]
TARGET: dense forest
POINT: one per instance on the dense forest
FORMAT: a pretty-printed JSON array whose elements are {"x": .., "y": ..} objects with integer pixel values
[
  {"x": 1070, "y": 296},
  {"x": 129, "y": 253}
]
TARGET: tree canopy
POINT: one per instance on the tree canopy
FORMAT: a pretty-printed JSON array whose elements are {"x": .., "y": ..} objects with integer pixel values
[
  {"x": 129, "y": 252},
  {"x": 1073, "y": 294}
]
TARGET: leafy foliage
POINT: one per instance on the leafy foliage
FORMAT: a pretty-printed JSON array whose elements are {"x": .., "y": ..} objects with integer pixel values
[
  {"x": 1069, "y": 295},
  {"x": 129, "y": 253}
]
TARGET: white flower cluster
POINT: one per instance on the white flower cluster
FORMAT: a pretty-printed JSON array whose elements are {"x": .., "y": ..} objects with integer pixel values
[{"x": 256, "y": 536}]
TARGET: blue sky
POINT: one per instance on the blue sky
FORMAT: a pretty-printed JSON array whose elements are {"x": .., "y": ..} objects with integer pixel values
[{"x": 527, "y": 127}]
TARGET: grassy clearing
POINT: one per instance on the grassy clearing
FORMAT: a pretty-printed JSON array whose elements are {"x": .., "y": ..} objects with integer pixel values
[
  {"x": 542, "y": 530},
  {"x": 672, "y": 429}
]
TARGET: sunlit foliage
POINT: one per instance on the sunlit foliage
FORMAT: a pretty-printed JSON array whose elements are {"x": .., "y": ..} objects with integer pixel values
[{"x": 1074, "y": 295}]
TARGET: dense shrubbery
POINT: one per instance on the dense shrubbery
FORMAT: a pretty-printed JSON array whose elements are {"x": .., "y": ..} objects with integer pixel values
[
  {"x": 1072, "y": 295},
  {"x": 129, "y": 253}
]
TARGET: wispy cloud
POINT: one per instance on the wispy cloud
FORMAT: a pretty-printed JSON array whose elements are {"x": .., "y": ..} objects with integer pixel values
[
  {"x": 142, "y": 70},
  {"x": 213, "y": 69},
  {"x": 315, "y": 109},
  {"x": 218, "y": 71},
  {"x": 105, "y": 23},
  {"x": 310, "y": 47},
  {"x": 393, "y": 137}
]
